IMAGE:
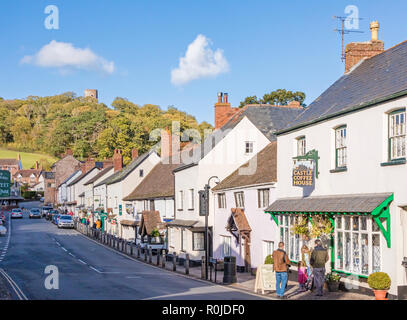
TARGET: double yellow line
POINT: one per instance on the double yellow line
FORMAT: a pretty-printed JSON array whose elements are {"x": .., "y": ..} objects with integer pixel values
[{"x": 20, "y": 294}]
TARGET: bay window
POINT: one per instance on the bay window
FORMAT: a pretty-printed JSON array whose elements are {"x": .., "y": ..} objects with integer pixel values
[{"x": 357, "y": 245}]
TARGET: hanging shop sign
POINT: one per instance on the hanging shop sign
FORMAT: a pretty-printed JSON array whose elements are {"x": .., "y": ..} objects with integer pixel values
[
  {"x": 303, "y": 173},
  {"x": 120, "y": 209},
  {"x": 5, "y": 183}
]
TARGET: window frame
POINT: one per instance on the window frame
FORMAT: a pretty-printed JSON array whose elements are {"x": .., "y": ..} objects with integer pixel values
[
  {"x": 222, "y": 200},
  {"x": 229, "y": 243},
  {"x": 260, "y": 198},
  {"x": 191, "y": 200},
  {"x": 344, "y": 147},
  {"x": 248, "y": 147},
  {"x": 194, "y": 242},
  {"x": 180, "y": 201},
  {"x": 301, "y": 146},
  {"x": 401, "y": 111},
  {"x": 183, "y": 239},
  {"x": 371, "y": 231},
  {"x": 237, "y": 194}
]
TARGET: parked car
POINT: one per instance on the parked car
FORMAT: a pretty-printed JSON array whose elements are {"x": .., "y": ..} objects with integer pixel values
[
  {"x": 45, "y": 209},
  {"x": 3, "y": 230},
  {"x": 16, "y": 213},
  {"x": 55, "y": 218},
  {"x": 50, "y": 214},
  {"x": 35, "y": 213},
  {"x": 42, "y": 199},
  {"x": 65, "y": 221}
]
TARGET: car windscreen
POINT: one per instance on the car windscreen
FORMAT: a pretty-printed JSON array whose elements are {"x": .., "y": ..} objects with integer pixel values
[
  {"x": 65, "y": 217},
  {"x": 35, "y": 210}
]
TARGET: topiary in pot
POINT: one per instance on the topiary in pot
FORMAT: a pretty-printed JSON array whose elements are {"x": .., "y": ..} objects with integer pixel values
[
  {"x": 269, "y": 259},
  {"x": 380, "y": 282}
]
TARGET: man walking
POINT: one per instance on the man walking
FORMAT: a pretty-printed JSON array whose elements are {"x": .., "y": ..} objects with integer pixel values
[
  {"x": 281, "y": 263},
  {"x": 319, "y": 258}
]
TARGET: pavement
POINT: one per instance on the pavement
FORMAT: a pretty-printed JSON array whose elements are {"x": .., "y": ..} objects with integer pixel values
[{"x": 47, "y": 263}]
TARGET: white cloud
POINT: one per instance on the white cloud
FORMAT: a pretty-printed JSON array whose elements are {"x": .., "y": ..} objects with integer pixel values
[
  {"x": 199, "y": 61},
  {"x": 63, "y": 55}
]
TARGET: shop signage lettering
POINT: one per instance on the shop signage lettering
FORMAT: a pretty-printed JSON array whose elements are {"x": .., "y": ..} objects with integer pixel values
[
  {"x": 5, "y": 183},
  {"x": 303, "y": 174}
]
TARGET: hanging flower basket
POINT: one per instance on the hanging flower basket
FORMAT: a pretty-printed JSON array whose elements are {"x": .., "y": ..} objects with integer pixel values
[
  {"x": 301, "y": 228},
  {"x": 321, "y": 227}
]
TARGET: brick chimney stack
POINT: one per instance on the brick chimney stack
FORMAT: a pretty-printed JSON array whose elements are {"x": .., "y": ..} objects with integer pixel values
[
  {"x": 356, "y": 51},
  {"x": 134, "y": 154},
  {"x": 166, "y": 143},
  {"x": 223, "y": 110},
  {"x": 118, "y": 160},
  {"x": 107, "y": 163}
]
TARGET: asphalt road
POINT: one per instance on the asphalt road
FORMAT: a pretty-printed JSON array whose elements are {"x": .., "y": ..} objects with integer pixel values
[{"x": 88, "y": 270}]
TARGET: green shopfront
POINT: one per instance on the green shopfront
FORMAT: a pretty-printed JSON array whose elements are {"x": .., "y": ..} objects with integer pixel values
[{"x": 359, "y": 234}]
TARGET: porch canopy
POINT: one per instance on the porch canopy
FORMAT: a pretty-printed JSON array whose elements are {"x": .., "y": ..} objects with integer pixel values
[{"x": 374, "y": 204}]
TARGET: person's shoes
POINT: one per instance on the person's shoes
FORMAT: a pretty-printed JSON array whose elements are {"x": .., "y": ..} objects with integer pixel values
[{"x": 284, "y": 298}]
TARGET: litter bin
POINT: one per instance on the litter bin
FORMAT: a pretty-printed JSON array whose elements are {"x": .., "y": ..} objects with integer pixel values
[{"x": 229, "y": 273}]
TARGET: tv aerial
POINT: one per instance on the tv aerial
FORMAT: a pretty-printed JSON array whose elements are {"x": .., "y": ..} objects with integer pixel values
[{"x": 342, "y": 31}]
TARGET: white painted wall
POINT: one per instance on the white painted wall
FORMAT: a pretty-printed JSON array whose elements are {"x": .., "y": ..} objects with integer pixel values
[
  {"x": 263, "y": 226},
  {"x": 228, "y": 155},
  {"x": 367, "y": 134}
]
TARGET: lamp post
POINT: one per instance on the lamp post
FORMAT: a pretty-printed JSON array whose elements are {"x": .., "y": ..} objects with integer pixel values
[{"x": 206, "y": 197}]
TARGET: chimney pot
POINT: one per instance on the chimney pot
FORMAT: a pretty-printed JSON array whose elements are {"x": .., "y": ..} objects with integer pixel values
[
  {"x": 374, "y": 28},
  {"x": 220, "y": 95},
  {"x": 225, "y": 98}
]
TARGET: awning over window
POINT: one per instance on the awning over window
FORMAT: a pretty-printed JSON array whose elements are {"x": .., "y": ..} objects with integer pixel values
[
  {"x": 374, "y": 204},
  {"x": 355, "y": 203}
]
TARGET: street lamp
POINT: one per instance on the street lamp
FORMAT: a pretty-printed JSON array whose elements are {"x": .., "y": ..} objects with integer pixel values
[{"x": 206, "y": 195}]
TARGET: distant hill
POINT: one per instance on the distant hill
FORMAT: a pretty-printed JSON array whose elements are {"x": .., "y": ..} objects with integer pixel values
[
  {"x": 28, "y": 159},
  {"x": 51, "y": 125}
]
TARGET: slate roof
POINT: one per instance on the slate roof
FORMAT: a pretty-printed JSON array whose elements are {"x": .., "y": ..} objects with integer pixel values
[
  {"x": 122, "y": 174},
  {"x": 48, "y": 174},
  {"x": 69, "y": 178},
  {"x": 98, "y": 175},
  {"x": 158, "y": 183},
  {"x": 373, "y": 80},
  {"x": 183, "y": 223},
  {"x": 364, "y": 203},
  {"x": 26, "y": 173},
  {"x": 83, "y": 175},
  {"x": 9, "y": 162},
  {"x": 267, "y": 118},
  {"x": 266, "y": 171}
]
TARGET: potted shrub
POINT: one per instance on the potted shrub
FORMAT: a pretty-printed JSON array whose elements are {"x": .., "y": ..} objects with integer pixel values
[
  {"x": 333, "y": 280},
  {"x": 380, "y": 282},
  {"x": 269, "y": 259},
  {"x": 155, "y": 235}
]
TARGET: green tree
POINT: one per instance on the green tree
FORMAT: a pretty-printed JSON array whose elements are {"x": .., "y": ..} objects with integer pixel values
[{"x": 280, "y": 97}]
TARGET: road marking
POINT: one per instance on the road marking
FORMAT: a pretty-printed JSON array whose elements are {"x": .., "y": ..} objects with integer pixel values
[
  {"x": 176, "y": 273},
  {"x": 71, "y": 255},
  {"x": 133, "y": 277},
  {"x": 95, "y": 269},
  {"x": 64, "y": 249},
  {"x": 81, "y": 261},
  {"x": 20, "y": 294}
]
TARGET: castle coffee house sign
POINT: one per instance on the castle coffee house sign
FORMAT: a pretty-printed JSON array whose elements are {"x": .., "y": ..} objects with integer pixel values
[{"x": 303, "y": 173}]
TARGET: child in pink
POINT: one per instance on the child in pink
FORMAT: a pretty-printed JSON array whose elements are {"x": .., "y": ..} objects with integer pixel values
[{"x": 302, "y": 275}]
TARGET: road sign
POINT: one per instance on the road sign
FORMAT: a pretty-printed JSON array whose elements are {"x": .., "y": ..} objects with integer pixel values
[{"x": 5, "y": 183}]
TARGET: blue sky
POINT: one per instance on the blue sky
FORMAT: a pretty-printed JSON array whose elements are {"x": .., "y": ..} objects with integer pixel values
[{"x": 266, "y": 45}]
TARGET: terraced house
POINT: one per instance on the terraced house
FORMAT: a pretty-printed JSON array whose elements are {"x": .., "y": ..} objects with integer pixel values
[
  {"x": 350, "y": 145},
  {"x": 239, "y": 135}
]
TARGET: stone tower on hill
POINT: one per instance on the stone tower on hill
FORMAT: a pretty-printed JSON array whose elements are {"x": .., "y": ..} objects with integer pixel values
[{"x": 91, "y": 93}]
